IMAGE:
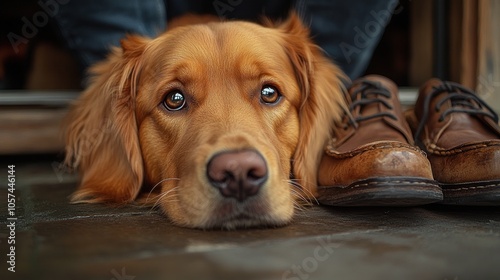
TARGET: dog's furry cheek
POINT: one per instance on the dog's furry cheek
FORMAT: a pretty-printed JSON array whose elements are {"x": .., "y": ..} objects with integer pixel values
[
  {"x": 153, "y": 150},
  {"x": 288, "y": 133}
]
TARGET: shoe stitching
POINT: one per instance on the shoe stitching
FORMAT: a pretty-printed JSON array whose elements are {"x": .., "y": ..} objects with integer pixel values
[
  {"x": 434, "y": 149},
  {"x": 472, "y": 188},
  {"x": 331, "y": 151},
  {"x": 405, "y": 182},
  {"x": 377, "y": 183}
]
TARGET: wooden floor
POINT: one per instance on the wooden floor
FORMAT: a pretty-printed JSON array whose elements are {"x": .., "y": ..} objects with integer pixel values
[{"x": 58, "y": 240}]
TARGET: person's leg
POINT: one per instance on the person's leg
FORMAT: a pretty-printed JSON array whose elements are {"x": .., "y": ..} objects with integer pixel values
[
  {"x": 230, "y": 9},
  {"x": 348, "y": 31},
  {"x": 91, "y": 27}
]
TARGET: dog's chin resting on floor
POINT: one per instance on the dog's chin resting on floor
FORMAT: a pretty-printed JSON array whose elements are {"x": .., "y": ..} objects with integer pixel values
[{"x": 220, "y": 125}]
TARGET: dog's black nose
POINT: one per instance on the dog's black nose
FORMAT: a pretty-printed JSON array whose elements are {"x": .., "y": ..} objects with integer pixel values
[{"x": 238, "y": 174}]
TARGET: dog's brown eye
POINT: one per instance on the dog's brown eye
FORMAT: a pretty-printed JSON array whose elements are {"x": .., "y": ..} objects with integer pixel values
[
  {"x": 174, "y": 100},
  {"x": 269, "y": 95}
]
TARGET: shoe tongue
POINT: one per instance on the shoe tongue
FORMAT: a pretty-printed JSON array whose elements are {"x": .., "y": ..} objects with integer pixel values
[
  {"x": 381, "y": 127},
  {"x": 424, "y": 91},
  {"x": 374, "y": 107}
]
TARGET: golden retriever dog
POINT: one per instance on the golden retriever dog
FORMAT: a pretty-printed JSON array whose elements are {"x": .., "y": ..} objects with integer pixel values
[{"x": 219, "y": 124}]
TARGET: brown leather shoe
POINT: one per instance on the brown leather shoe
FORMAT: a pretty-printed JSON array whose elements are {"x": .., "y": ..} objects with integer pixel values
[
  {"x": 371, "y": 161},
  {"x": 460, "y": 134}
]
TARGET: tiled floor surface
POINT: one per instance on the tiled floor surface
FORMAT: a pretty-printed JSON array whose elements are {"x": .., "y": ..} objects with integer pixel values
[{"x": 57, "y": 240}]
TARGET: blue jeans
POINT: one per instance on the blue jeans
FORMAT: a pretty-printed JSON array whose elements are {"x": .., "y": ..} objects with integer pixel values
[
  {"x": 348, "y": 31},
  {"x": 91, "y": 27}
]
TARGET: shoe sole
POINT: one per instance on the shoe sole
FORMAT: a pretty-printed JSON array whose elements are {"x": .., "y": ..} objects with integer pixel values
[
  {"x": 384, "y": 191},
  {"x": 482, "y": 193}
]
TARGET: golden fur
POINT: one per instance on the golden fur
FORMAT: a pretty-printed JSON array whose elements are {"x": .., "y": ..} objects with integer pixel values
[{"x": 126, "y": 145}]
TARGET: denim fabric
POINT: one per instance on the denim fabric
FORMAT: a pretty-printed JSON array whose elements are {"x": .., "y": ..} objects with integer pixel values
[
  {"x": 91, "y": 27},
  {"x": 348, "y": 31},
  {"x": 231, "y": 9}
]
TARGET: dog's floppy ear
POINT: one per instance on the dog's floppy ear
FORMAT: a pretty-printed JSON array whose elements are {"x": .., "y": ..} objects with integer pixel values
[
  {"x": 321, "y": 85},
  {"x": 101, "y": 132}
]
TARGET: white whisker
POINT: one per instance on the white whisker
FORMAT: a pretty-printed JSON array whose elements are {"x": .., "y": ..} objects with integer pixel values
[
  {"x": 157, "y": 184},
  {"x": 165, "y": 195},
  {"x": 306, "y": 192},
  {"x": 301, "y": 192},
  {"x": 298, "y": 195}
]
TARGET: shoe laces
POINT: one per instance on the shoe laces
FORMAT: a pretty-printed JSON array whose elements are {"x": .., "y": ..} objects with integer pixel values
[
  {"x": 463, "y": 100},
  {"x": 360, "y": 98}
]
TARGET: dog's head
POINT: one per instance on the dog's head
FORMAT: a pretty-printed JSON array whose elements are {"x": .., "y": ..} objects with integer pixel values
[{"x": 215, "y": 117}]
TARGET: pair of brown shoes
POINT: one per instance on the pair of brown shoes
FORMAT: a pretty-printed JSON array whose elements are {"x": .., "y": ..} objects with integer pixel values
[{"x": 373, "y": 159}]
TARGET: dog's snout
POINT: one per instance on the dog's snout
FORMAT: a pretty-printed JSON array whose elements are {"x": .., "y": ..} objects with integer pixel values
[{"x": 237, "y": 174}]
